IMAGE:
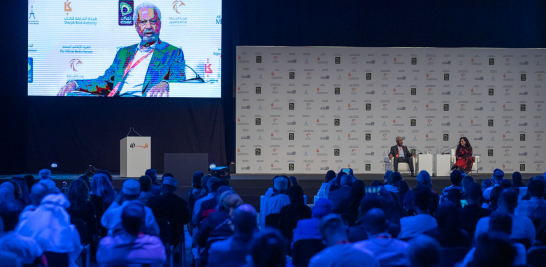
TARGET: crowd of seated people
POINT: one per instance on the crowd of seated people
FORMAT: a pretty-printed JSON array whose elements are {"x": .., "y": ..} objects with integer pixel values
[{"x": 387, "y": 223}]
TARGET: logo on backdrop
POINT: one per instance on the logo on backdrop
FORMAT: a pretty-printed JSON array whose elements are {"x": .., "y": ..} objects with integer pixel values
[
  {"x": 67, "y": 7},
  {"x": 176, "y": 5},
  {"x": 74, "y": 63},
  {"x": 132, "y": 145},
  {"x": 125, "y": 12}
]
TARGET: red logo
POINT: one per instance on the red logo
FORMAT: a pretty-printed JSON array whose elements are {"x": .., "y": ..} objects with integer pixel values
[
  {"x": 427, "y": 135},
  {"x": 308, "y": 104},
  {"x": 429, "y": 59},
  {"x": 353, "y": 150},
  {"x": 507, "y": 90},
  {"x": 309, "y": 73},
  {"x": 275, "y": 88},
  {"x": 274, "y": 119},
  {"x": 348, "y": 135},
  {"x": 239, "y": 57},
  {"x": 239, "y": 88},
  {"x": 354, "y": 89},
  {"x": 503, "y": 166},
  {"x": 271, "y": 165},
  {"x": 385, "y": 74},
  {"x": 504, "y": 75},
  {"x": 208, "y": 69},
  {"x": 394, "y": 121},
  {"x": 238, "y": 119},
  {"x": 472, "y": 90},
  {"x": 472, "y": 60},
  {"x": 507, "y": 59},
  {"x": 318, "y": 89},
  {"x": 272, "y": 135},
  {"x": 73, "y": 63},
  {"x": 317, "y": 150},
  {"x": 275, "y": 58},
  {"x": 462, "y": 105},
  {"x": 429, "y": 90},
  {"x": 471, "y": 120},
  {"x": 503, "y": 135},
  {"x": 427, "y": 105},
  {"x": 349, "y": 74},
  {"x": 394, "y": 90},
  {"x": 353, "y": 120},
  {"x": 274, "y": 150},
  {"x": 503, "y": 105},
  {"x": 384, "y": 104},
  {"x": 349, "y": 165},
  {"x": 394, "y": 59},
  {"x": 506, "y": 150},
  {"x": 308, "y": 134},
  {"x": 429, "y": 120},
  {"x": 384, "y": 135},
  {"x": 307, "y": 165},
  {"x": 272, "y": 104},
  {"x": 238, "y": 150},
  {"x": 318, "y": 58},
  {"x": 317, "y": 120},
  {"x": 354, "y": 58},
  {"x": 506, "y": 121},
  {"x": 272, "y": 74},
  {"x": 428, "y": 75},
  {"x": 349, "y": 105}
]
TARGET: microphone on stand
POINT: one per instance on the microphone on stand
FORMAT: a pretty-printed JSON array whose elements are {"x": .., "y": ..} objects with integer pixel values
[{"x": 449, "y": 149}]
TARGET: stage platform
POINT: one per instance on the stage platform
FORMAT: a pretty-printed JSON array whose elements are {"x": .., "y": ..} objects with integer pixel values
[{"x": 251, "y": 186}]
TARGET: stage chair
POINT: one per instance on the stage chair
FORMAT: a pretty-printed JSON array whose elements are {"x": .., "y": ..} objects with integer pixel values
[
  {"x": 402, "y": 166},
  {"x": 475, "y": 165}
]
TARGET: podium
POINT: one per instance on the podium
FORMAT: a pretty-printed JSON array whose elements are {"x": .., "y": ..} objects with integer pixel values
[{"x": 135, "y": 155}]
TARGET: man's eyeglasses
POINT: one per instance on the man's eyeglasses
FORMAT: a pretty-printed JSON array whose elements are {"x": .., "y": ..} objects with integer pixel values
[{"x": 144, "y": 22}]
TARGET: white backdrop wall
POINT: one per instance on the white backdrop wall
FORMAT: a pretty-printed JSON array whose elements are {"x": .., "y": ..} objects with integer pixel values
[{"x": 313, "y": 109}]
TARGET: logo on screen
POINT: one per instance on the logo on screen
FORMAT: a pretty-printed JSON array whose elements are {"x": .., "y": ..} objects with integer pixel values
[
  {"x": 258, "y": 151},
  {"x": 413, "y": 91},
  {"x": 336, "y": 122},
  {"x": 490, "y": 152},
  {"x": 413, "y": 61},
  {"x": 368, "y": 167},
  {"x": 74, "y": 63},
  {"x": 368, "y": 106},
  {"x": 337, "y": 91},
  {"x": 290, "y": 106},
  {"x": 491, "y": 61},
  {"x": 523, "y": 77},
  {"x": 491, "y": 91},
  {"x": 208, "y": 69},
  {"x": 336, "y": 152},
  {"x": 522, "y": 137},
  {"x": 125, "y": 12},
  {"x": 176, "y": 4},
  {"x": 290, "y": 136},
  {"x": 290, "y": 166},
  {"x": 368, "y": 76},
  {"x": 258, "y": 90},
  {"x": 522, "y": 167},
  {"x": 368, "y": 137},
  {"x": 413, "y": 122},
  {"x": 258, "y": 121},
  {"x": 338, "y": 60},
  {"x": 446, "y": 107},
  {"x": 291, "y": 75},
  {"x": 522, "y": 107},
  {"x": 490, "y": 123},
  {"x": 446, "y": 77},
  {"x": 258, "y": 59},
  {"x": 67, "y": 7},
  {"x": 30, "y": 68}
]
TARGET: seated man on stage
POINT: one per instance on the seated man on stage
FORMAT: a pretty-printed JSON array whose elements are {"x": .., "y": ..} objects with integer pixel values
[
  {"x": 400, "y": 153},
  {"x": 143, "y": 69}
]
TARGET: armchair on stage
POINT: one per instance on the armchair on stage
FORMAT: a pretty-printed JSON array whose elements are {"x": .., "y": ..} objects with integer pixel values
[
  {"x": 475, "y": 167},
  {"x": 402, "y": 166}
]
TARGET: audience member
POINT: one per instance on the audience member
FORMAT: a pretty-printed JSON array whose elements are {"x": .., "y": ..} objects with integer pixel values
[
  {"x": 535, "y": 208},
  {"x": 107, "y": 173},
  {"x": 486, "y": 184},
  {"x": 505, "y": 184},
  {"x": 517, "y": 180},
  {"x": 38, "y": 192},
  {"x": 376, "y": 183},
  {"x": 387, "y": 250},
  {"x": 209, "y": 206},
  {"x": 402, "y": 188},
  {"x": 268, "y": 249},
  {"x": 17, "y": 192},
  {"x": 171, "y": 208},
  {"x": 197, "y": 191},
  {"x": 388, "y": 174},
  {"x": 309, "y": 228},
  {"x": 155, "y": 189},
  {"x": 336, "y": 183},
  {"x": 456, "y": 178},
  {"x": 210, "y": 195},
  {"x": 232, "y": 252},
  {"x": 271, "y": 191},
  {"x": 349, "y": 206},
  {"x": 424, "y": 251},
  {"x": 523, "y": 229},
  {"x": 111, "y": 219},
  {"x": 219, "y": 223},
  {"x": 45, "y": 178},
  {"x": 393, "y": 179},
  {"x": 50, "y": 226},
  {"x": 6, "y": 192},
  {"x": 422, "y": 222},
  {"x": 500, "y": 227},
  {"x": 24, "y": 247},
  {"x": 471, "y": 213},
  {"x": 130, "y": 246},
  {"x": 339, "y": 252},
  {"x": 449, "y": 232},
  {"x": 293, "y": 212},
  {"x": 102, "y": 187},
  {"x": 325, "y": 187},
  {"x": 467, "y": 180},
  {"x": 145, "y": 187},
  {"x": 494, "y": 197},
  {"x": 358, "y": 232},
  {"x": 275, "y": 203},
  {"x": 22, "y": 184},
  {"x": 496, "y": 179},
  {"x": 424, "y": 179},
  {"x": 455, "y": 196},
  {"x": 293, "y": 181},
  {"x": 338, "y": 195},
  {"x": 81, "y": 206}
]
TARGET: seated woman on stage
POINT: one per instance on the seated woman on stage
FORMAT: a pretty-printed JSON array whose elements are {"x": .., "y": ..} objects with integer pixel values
[{"x": 463, "y": 155}]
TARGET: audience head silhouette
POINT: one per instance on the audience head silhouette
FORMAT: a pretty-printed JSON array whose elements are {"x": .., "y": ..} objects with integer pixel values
[
  {"x": 422, "y": 198},
  {"x": 268, "y": 249},
  {"x": 423, "y": 178},
  {"x": 456, "y": 177},
  {"x": 9, "y": 212},
  {"x": 145, "y": 183},
  {"x": 132, "y": 218},
  {"x": 508, "y": 201},
  {"x": 244, "y": 219},
  {"x": 424, "y": 251},
  {"x": 375, "y": 221}
]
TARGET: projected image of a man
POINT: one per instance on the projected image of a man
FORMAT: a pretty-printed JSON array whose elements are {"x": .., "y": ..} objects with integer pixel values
[{"x": 143, "y": 69}]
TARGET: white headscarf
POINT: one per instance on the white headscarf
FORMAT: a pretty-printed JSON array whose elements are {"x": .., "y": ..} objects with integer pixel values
[{"x": 50, "y": 225}]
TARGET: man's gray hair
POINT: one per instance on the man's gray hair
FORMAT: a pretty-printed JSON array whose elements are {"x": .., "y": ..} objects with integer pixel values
[
  {"x": 44, "y": 174},
  {"x": 146, "y": 5},
  {"x": 396, "y": 139}
]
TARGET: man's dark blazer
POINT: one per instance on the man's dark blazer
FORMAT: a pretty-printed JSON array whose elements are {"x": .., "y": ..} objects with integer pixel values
[
  {"x": 172, "y": 208},
  {"x": 394, "y": 151}
]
